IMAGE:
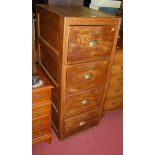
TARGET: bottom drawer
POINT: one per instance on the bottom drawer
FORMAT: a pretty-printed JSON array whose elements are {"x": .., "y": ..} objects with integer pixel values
[
  {"x": 40, "y": 133},
  {"x": 80, "y": 123},
  {"x": 113, "y": 104},
  {"x": 46, "y": 138}
]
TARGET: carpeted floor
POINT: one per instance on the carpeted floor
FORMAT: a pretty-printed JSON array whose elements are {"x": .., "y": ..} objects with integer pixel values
[{"x": 106, "y": 139}]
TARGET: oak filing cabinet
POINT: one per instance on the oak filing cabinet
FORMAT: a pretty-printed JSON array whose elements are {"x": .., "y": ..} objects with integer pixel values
[
  {"x": 76, "y": 48},
  {"x": 41, "y": 111}
]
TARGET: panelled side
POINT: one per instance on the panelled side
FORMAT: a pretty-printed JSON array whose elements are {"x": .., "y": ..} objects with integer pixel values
[{"x": 50, "y": 55}]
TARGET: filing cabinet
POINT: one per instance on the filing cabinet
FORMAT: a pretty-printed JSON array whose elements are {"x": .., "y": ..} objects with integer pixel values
[{"x": 76, "y": 49}]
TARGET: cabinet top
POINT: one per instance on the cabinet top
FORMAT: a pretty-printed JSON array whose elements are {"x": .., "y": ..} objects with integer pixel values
[{"x": 74, "y": 11}]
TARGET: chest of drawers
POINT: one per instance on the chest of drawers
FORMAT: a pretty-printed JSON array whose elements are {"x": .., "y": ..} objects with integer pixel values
[
  {"x": 41, "y": 111},
  {"x": 76, "y": 47},
  {"x": 114, "y": 95}
]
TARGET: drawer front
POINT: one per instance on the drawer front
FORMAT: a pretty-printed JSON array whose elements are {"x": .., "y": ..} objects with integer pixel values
[
  {"x": 40, "y": 133},
  {"x": 80, "y": 123},
  {"x": 41, "y": 96},
  {"x": 116, "y": 80},
  {"x": 40, "y": 121},
  {"x": 86, "y": 76},
  {"x": 114, "y": 91},
  {"x": 117, "y": 70},
  {"x": 118, "y": 58},
  {"x": 89, "y": 43},
  {"x": 81, "y": 103},
  {"x": 41, "y": 109},
  {"x": 113, "y": 104}
]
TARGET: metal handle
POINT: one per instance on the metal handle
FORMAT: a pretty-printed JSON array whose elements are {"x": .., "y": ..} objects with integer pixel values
[
  {"x": 37, "y": 96},
  {"x": 37, "y": 124},
  {"x": 93, "y": 43},
  {"x": 38, "y": 111},
  {"x": 88, "y": 76},
  {"x": 82, "y": 123},
  {"x": 84, "y": 101}
]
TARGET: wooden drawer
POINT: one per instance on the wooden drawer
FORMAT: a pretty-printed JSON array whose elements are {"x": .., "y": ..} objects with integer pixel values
[
  {"x": 86, "y": 76},
  {"x": 81, "y": 103},
  {"x": 89, "y": 43},
  {"x": 114, "y": 91},
  {"x": 41, "y": 121},
  {"x": 41, "y": 109},
  {"x": 117, "y": 70},
  {"x": 80, "y": 123},
  {"x": 116, "y": 80},
  {"x": 45, "y": 138},
  {"x": 118, "y": 58},
  {"x": 41, "y": 96},
  {"x": 41, "y": 132},
  {"x": 113, "y": 104}
]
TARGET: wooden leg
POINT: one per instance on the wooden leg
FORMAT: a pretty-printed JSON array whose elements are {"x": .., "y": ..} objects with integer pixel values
[{"x": 50, "y": 141}]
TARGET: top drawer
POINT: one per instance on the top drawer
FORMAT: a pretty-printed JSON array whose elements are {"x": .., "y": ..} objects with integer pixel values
[{"x": 89, "y": 43}]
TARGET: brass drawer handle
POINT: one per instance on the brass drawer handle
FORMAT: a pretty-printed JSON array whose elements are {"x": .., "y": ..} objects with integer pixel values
[
  {"x": 82, "y": 123},
  {"x": 37, "y": 97},
  {"x": 37, "y": 124},
  {"x": 38, "y": 111},
  {"x": 93, "y": 43},
  {"x": 85, "y": 101},
  {"x": 88, "y": 76}
]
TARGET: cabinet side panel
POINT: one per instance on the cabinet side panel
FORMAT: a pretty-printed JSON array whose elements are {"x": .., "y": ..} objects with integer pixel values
[
  {"x": 50, "y": 45},
  {"x": 51, "y": 65},
  {"x": 50, "y": 28}
]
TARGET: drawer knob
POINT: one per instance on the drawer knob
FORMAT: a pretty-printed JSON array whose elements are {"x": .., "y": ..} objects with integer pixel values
[
  {"x": 88, "y": 76},
  {"x": 85, "y": 101},
  {"x": 38, "y": 111},
  {"x": 82, "y": 123},
  {"x": 37, "y": 124},
  {"x": 37, "y": 96},
  {"x": 113, "y": 29},
  {"x": 93, "y": 43}
]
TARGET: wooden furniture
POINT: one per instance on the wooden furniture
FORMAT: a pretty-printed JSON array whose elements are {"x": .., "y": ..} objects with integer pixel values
[
  {"x": 114, "y": 95},
  {"x": 76, "y": 48},
  {"x": 41, "y": 111}
]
